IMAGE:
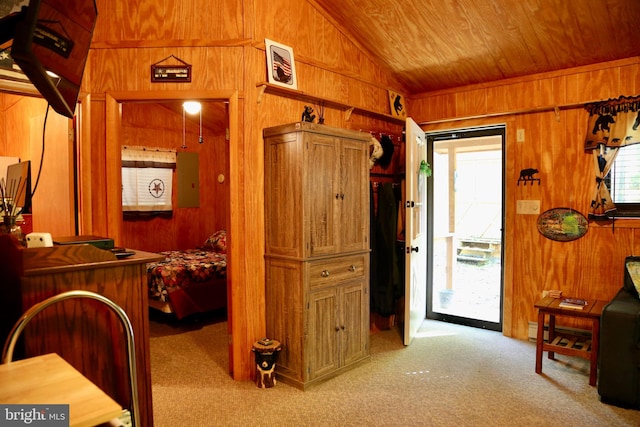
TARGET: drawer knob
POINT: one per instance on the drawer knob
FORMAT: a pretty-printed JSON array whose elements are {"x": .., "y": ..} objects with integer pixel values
[
  {"x": 325, "y": 273},
  {"x": 352, "y": 268}
]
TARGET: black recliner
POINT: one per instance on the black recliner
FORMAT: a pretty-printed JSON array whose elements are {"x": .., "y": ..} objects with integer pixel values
[{"x": 619, "y": 353}]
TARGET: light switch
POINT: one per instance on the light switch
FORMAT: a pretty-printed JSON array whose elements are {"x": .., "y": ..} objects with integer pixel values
[
  {"x": 520, "y": 135},
  {"x": 528, "y": 207}
]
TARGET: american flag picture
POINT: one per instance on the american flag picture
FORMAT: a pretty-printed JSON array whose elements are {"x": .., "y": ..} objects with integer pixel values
[{"x": 281, "y": 68}]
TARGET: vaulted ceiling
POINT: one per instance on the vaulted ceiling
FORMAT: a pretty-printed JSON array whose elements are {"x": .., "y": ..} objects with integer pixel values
[{"x": 438, "y": 44}]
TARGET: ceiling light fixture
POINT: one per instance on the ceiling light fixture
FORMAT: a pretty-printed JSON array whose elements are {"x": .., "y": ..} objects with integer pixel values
[{"x": 191, "y": 107}]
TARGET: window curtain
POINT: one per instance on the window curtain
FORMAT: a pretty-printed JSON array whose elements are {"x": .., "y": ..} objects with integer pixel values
[
  {"x": 612, "y": 125},
  {"x": 147, "y": 179}
]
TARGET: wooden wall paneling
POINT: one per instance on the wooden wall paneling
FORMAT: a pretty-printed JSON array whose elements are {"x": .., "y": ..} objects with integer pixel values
[
  {"x": 301, "y": 27},
  {"x": 95, "y": 174},
  {"x": 510, "y": 238},
  {"x": 239, "y": 335},
  {"x": 220, "y": 20},
  {"x": 83, "y": 150},
  {"x": 215, "y": 163},
  {"x": 246, "y": 169},
  {"x": 370, "y": 97},
  {"x": 113, "y": 173},
  {"x": 338, "y": 86},
  {"x": 471, "y": 103},
  {"x": 630, "y": 80},
  {"x": 129, "y": 68},
  {"x": 147, "y": 21},
  {"x": 605, "y": 83},
  {"x": 3, "y": 122},
  {"x": 25, "y": 120}
]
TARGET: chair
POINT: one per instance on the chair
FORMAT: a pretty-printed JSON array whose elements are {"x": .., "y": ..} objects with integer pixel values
[
  {"x": 619, "y": 356},
  {"x": 9, "y": 346}
]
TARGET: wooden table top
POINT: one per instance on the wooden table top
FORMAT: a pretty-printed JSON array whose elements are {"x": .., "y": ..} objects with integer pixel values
[
  {"x": 552, "y": 305},
  {"x": 49, "y": 379}
]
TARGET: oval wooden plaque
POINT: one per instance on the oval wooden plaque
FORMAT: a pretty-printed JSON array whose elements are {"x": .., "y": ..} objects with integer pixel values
[{"x": 562, "y": 224}]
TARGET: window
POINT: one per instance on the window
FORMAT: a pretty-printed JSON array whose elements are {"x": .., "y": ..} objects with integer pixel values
[
  {"x": 624, "y": 181},
  {"x": 147, "y": 180}
]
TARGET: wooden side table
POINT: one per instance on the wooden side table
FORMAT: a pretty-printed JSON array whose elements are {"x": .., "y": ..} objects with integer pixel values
[{"x": 566, "y": 343}]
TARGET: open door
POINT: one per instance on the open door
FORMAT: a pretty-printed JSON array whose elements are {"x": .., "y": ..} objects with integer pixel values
[{"x": 415, "y": 295}]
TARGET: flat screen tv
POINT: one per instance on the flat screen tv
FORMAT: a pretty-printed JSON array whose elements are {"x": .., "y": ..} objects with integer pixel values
[{"x": 53, "y": 36}]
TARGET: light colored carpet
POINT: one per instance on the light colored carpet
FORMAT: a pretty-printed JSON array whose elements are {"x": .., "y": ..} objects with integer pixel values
[{"x": 450, "y": 376}]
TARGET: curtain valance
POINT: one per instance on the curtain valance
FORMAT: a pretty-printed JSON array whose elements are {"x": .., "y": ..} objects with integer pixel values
[{"x": 612, "y": 124}]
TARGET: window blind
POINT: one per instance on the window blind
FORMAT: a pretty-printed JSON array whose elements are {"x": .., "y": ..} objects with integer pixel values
[{"x": 625, "y": 175}]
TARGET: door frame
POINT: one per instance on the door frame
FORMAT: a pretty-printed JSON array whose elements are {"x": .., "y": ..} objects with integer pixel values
[
  {"x": 465, "y": 133},
  {"x": 113, "y": 101}
]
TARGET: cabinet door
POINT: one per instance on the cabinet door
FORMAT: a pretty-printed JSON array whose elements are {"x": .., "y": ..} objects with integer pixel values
[
  {"x": 283, "y": 200},
  {"x": 323, "y": 330},
  {"x": 284, "y": 319},
  {"x": 354, "y": 326},
  {"x": 354, "y": 196},
  {"x": 323, "y": 194}
]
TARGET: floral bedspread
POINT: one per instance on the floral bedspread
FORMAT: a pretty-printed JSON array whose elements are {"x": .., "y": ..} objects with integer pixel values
[{"x": 182, "y": 268}]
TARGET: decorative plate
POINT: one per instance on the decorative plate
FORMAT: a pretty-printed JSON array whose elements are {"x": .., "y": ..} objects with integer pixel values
[{"x": 562, "y": 224}]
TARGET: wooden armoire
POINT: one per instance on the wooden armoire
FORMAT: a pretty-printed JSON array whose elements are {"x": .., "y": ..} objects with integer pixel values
[{"x": 317, "y": 249}]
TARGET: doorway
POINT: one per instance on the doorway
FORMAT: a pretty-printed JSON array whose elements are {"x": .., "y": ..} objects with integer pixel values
[
  {"x": 464, "y": 281},
  {"x": 114, "y": 105}
]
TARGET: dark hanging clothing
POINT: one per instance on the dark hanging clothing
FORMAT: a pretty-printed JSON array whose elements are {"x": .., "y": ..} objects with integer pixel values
[
  {"x": 373, "y": 239},
  {"x": 385, "y": 277}
]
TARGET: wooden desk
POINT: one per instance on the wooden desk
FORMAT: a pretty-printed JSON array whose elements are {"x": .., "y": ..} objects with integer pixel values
[
  {"x": 569, "y": 344},
  {"x": 49, "y": 379},
  {"x": 84, "y": 333}
]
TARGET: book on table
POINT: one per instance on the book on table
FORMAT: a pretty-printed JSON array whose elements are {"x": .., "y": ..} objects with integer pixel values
[{"x": 573, "y": 303}]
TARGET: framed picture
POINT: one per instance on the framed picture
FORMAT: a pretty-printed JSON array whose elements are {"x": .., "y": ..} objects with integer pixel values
[
  {"x": 396, "y": 102},
  {"x": 281, "y": 67}
]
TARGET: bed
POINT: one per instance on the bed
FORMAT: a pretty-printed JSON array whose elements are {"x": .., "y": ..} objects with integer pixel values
[{"x": 190, "y": 281}]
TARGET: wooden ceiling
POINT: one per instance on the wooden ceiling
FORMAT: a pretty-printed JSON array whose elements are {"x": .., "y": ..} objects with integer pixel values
[{"x": 429, "y": 45}]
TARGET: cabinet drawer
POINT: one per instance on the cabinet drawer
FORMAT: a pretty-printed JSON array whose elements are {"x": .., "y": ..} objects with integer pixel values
[{"x": 330, "y": 272}]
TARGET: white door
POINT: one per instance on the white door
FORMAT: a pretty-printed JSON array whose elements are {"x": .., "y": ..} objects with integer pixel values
[{"x": 415, "y": 302}]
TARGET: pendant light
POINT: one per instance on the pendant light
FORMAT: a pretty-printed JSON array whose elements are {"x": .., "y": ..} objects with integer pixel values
[{"x": 191, "y": 107}]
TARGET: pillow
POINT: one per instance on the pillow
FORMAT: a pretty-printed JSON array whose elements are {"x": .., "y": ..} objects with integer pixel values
[
  {"x": 632, "y": 281},
  {"x": 217, "y": 242}
]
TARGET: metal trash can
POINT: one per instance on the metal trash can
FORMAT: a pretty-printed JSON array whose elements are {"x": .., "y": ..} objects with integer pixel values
[{"x": 266, "y": 354}]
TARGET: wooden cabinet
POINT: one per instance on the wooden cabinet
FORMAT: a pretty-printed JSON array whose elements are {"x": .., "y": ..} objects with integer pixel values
[
  {"x": 317, "y": 194},
  {"x": 317, "y": 249},
  {"x": 85, "y": 333},
  {"x": 335, "y": 319}
]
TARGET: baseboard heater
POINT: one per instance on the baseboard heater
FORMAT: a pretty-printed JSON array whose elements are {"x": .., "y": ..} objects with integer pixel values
[{"x": 533, "y": 331}]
